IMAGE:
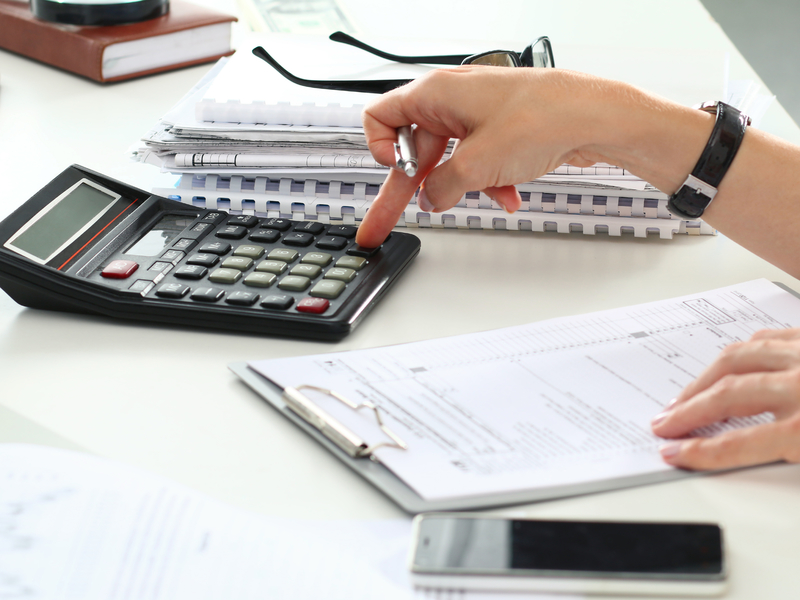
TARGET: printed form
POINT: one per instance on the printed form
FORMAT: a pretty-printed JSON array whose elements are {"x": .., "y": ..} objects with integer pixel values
[{"x": 560, "y": 402}]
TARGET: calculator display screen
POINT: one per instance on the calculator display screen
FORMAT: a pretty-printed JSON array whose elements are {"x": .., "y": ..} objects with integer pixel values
[
  {"x": 62, "y": 221},
  {"x": 161, "y": 235}
]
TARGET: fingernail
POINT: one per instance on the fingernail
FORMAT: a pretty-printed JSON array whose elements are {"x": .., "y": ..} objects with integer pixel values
[
  {"x": 423, "y": 202},
  {"x": 670, "y": 449},
  {"x": 501, "y": 205},
  {"x": 658, "y": 419},
  {"x": 671, "y": 404}
]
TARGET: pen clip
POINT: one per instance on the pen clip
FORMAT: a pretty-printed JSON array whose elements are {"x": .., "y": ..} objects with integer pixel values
[{"x": 331, "y": 428}]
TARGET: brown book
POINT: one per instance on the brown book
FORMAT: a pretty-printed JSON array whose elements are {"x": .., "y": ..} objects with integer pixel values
[{"x": 187, "y": 35}]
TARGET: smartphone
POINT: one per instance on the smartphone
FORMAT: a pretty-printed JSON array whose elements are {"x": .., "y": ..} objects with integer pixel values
[{"x": 490, "y": 553}]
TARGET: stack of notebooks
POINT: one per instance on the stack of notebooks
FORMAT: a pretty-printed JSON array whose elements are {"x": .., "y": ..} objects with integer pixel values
[{"x": 246, "y": 139}]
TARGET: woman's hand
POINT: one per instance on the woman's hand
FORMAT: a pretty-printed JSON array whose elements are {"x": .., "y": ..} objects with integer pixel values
[
  {"x": 512, "y": 126},
  {"x": 748, "y": 378}
]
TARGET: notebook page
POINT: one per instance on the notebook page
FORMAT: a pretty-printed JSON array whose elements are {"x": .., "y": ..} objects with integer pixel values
[{"x": 556, "y": 403}]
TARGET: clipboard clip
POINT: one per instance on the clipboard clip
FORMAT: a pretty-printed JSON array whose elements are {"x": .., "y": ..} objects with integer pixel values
[{"x": 352, "y": 444}]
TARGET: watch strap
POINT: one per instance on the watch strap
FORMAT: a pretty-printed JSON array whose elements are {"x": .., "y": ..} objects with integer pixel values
[{"x": 700, "y": 187}]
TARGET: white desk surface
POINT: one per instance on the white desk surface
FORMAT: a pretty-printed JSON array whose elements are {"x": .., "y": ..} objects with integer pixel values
[{"x": 163, "y": 399}]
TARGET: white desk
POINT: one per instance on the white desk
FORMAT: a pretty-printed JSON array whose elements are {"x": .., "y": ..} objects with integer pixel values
[{"x": 162, "y": 398}]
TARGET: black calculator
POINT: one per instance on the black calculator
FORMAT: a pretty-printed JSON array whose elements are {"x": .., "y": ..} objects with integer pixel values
[{"x": 90, "y": 244}]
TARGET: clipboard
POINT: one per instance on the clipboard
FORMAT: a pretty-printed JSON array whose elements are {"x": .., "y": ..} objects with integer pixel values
[{"x": 370, "y": 468}]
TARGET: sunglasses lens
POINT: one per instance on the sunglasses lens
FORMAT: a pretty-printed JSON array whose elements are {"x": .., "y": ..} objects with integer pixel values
[
  {"x": 493, "y": 59},
  {"x": 538, "y": 54}
]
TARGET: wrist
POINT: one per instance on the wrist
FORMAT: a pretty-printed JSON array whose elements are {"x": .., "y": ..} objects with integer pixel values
[{"x": 655, "y": 139}]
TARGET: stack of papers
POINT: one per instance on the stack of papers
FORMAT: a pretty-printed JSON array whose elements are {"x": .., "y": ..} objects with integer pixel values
[{"x": 247, "y": 139}]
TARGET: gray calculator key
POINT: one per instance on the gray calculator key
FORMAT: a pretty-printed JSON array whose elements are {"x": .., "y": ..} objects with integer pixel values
[
  {"x": 237, "y": 262},
  {"x": 351, "y": 262},
  {"x": 271, "y": 266},
  {"x": 322, "y": 259},
  {"x": 341, "y": 274},
  {"x": 294, "y": 283},
  {"x": 261, "y": 280},
  {"x": 284, "y": 254},
  {"x": 310, "y": 271},
  {"x": 227, "y": 276},
  {"x": 328, "y": 288},
  {"x": 249, "y": 251}
]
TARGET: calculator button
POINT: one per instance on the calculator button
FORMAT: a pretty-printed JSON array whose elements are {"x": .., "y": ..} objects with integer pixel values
[
  {"x": 200, "y": 227},
  {"x": 272, "y": 266},
  {"x": 249, "y": 251},
  {"x": 226, "y": 276},
  {"x": 341, "y": 274},
  {"x": 311, "y": 227},
  {"x": 173, "y": 256},
  {"x": 351, "y": 262},
  {"x": 322, "y": 259},
  {"x": 265, "y": 236},
  {"x": 218, "y": 248},
  {"x": 184, "y": 244},
  {"x": 232, "y": 232},
  {"x": 119, "y": 269},
  {"x": 161, "y": 266},
  {"x": 237, "y": 262},
  {"x": 279, "y": 224},
  {"x": 243, "y": 220},
  {"x": 190, "y": 272},
  {"x": 298, "y": 238},
  {"x": 331, "y": 242},
  {"x": 242, "y": 298},
  {"x": 315, "y": 306},
  {"x": 262, "y": 280},
  {"x": 141, "y": 285},
  {"x": 294, "y": 283},
  {"x": 345, "y": 231},
  {"x": 205, "y": 260},
  {"x": 310, "y": 271},
  {"x": 172, "y": 290},
  {"x": 328, "y": 288},
  {"x": 213, "y": 216},
  {"x": 356, "y": 250},
  {"x": 277, "y": 301},
  {"x": 284, "y": 254},
  {"x": 207, "y": 294}
]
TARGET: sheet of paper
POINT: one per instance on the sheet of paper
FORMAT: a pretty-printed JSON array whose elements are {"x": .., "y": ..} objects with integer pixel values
[
  {"x": 560, "y": 402},
  {"x": 77, "y": 527}
]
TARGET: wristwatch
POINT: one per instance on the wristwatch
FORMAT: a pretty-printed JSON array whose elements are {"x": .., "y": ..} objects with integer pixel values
[{"x": 700, "y": 187}]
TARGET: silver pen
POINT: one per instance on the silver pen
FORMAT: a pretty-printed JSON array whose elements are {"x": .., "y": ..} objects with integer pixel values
[{"x": 405, "y": 151}]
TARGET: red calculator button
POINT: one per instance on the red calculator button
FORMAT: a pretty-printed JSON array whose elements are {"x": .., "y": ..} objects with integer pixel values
[
  {"x": 315, "y": 306},
  {"x": 120, "y": 269}
]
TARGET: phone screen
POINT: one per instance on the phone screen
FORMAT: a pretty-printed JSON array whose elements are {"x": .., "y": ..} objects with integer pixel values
[{"x": 513, "y": 546}]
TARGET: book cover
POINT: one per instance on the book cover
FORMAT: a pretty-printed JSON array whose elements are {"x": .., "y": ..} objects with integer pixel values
[{"x": 156, "y": 45}]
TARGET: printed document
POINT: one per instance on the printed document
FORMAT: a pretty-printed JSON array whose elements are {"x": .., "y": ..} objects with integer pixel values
[{"x": 557, "y": 403}]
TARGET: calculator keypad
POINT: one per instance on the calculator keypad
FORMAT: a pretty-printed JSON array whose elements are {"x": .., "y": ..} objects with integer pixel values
[{"x": 260, "y": 264}]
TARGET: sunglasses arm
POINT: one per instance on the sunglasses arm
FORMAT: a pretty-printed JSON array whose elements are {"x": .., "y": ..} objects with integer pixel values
[{"x": 452, "y": 59}]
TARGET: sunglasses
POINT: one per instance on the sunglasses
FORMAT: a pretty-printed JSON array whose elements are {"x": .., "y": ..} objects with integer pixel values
[{"x": 538, "y": 54}]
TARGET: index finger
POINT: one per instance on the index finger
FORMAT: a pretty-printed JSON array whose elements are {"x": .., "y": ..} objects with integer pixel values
[{"x": 397, "y": 191}]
